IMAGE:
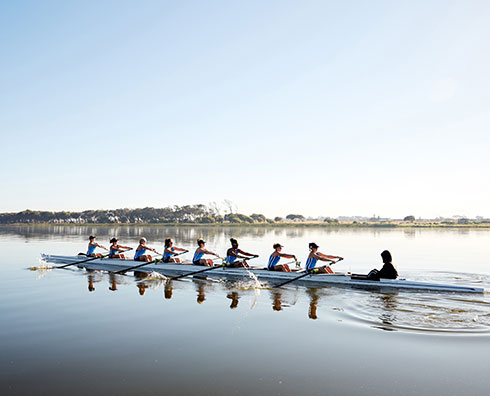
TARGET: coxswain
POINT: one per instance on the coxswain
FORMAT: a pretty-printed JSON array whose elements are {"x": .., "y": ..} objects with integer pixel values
[
  {"x": 115, "y": 249},
  {"x": 276, "y": 256},
  {"x": 140, "y": 254},
  {"x": 170, "y": 251},
  {"x": 92, "y": 245},
  {"x": 315, "y": 255},
  {"x": 387, "y": 272},
  {"x": 200, "y": 252},
  {"x": 233, "y": 255}
]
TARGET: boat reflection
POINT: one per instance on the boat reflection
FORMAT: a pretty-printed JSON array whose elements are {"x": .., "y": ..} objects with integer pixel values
[{"x": 386, "y": 305}]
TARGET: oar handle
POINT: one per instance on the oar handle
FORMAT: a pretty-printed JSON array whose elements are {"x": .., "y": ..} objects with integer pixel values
[
  {"x": 311, "y": 272},
  {"x": 123, "y": 271},
  {"x": 198, "y": 272},
  {"x": 90, "y": 259}
]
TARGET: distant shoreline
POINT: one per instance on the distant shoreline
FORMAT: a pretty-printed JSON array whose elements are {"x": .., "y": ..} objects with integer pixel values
[{"x": 305, "y": 224}]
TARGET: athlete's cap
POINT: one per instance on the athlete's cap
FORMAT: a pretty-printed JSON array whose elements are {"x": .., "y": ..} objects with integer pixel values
[
  {"x": 276, "y": 245},
  {"x": 313, "y": 245},
  {"x": 143, "y": 239},
  {"x": 200, "y": 240},
  {"x": 113, "y": 240},
  {"x": 92, "y": 237}
]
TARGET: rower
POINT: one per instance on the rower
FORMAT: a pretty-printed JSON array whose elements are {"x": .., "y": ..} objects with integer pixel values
[
  {"x": 233, "y": 253},
  {"x": 276, "y": 256},
  {"x": 140, "y": 255},
  {"x": 315, "y": 255},
  {"x": 387, "y": 272},
  {"x": 92, "y": 245},
  {"x": 200, "y": 252},
  {"x": 115, "y": 249},
  {"x": 170, "y": 250}
]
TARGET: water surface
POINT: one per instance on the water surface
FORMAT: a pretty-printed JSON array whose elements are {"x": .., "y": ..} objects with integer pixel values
[{"x": 68, "y": 331}]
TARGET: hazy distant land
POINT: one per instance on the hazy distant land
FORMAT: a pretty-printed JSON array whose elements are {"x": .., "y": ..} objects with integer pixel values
[{"x": 214, "y": 215}]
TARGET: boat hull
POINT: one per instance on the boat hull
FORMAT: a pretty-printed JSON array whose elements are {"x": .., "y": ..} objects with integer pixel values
[{"x": 174, "y": 269}]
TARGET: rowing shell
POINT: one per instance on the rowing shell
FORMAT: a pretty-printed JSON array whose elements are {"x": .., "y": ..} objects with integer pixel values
[{"x": 338, "y": 278}]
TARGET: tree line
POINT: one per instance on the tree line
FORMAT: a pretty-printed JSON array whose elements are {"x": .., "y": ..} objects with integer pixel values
[{"x": 193, "y": 214}]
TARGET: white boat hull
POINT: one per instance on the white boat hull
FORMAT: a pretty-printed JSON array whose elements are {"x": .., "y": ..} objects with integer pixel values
[{"x": 174, "y": 269}]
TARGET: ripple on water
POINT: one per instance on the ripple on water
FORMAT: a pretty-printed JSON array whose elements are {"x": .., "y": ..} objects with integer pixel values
[{"x": 428, "y": 312}]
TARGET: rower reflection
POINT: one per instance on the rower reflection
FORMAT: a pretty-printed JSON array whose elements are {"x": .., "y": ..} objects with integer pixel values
[
  {"x": 91, "y": 282},
  {"x": 389, "y": 305},
  {"x": 168, "y": 290},
  {"x": 234, "y": 297},
  {"x": 201, "y": 295},
  {"x": 142, "y": 288},
  {"x": 112, "y": 282},
  {"x": 314, "y": 298},
  {"x": 277, "y": 301}
]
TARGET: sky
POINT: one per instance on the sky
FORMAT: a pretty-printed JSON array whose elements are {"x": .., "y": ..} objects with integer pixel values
[{"x": 322, "y": 108}]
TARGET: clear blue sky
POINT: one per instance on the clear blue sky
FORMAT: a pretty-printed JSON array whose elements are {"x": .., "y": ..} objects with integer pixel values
[{"x": 312, "y": 107}]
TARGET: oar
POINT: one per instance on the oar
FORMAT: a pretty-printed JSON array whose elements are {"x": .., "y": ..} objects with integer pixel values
[
  {"x": 90, "y": 259},
  {"x": 209, "y": 269},
  {"x": 179, "y": 254},
  {"x": 123, "y": 271},
  {"x": 199, "y": 272},
  {"x": 313, "y": 271}
]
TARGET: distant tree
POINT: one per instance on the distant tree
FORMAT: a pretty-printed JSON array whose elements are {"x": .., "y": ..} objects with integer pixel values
[
  {"x": 232, "y": 208},
  {"x": 205, "y": 220},
  {"x": 410, "y": 218},
  {"x": 278, "y": 219},
  {"x": 238, "y": 218},
  {"x": 329, "y": 220},
  {"x": 215, "y": 208},
  {"x": 245, "y": 218},
  {"x": 295, "y": 217},
  {"x": 258, "y": 218},
  {"x": 232, "y": 218}
]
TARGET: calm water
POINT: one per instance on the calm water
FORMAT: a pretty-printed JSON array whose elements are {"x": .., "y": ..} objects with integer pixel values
[{"x": 67, "y": 331}]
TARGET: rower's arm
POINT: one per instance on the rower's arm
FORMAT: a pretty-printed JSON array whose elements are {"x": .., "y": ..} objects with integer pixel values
[
  {"x": 180, "y": 249},
  {"x": 328, "y": 256},
  {"x": 286, "y": 255},
  {"x": 323, "y": 257},
  {"x": 247, "y": 254},
  {"x": 209, "y": 252},
  {"x": 125, "y": 247}
]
